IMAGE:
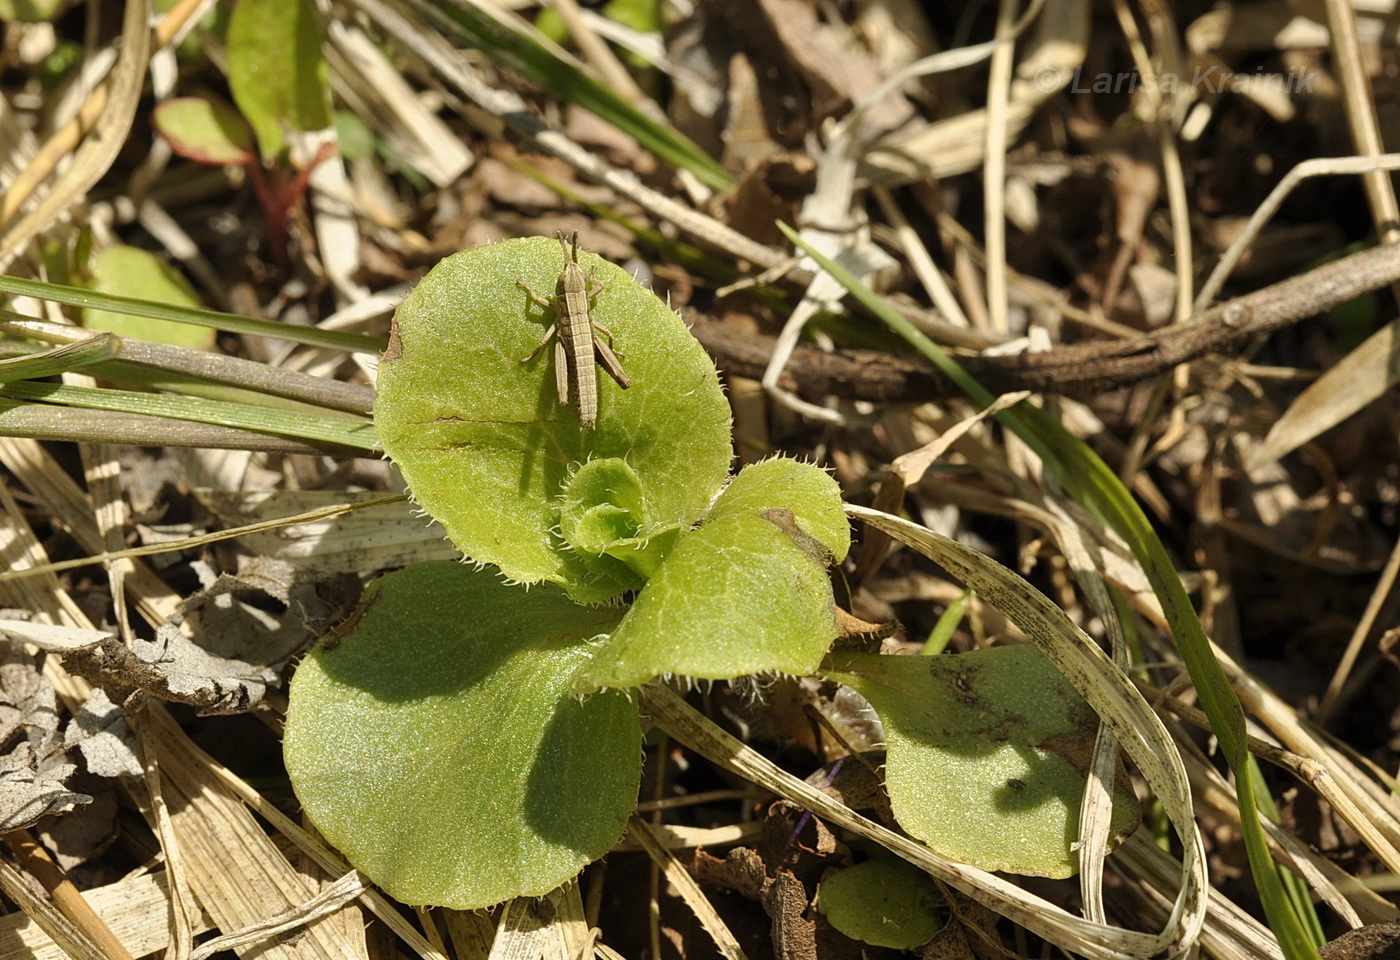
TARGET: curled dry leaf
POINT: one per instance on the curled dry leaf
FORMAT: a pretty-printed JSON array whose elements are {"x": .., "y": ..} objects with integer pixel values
[
  {"x": 100, "y": 733},
  {"x": 220, "y": 653},
  {"x": 33, "y": 768}
]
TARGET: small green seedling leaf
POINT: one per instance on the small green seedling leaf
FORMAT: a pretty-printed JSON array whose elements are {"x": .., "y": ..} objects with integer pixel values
[
  {"x": 58, "y": 66},
  {"x": 440, "y": 746},
  {"x": 205, "y": 131},
  {"x": 886, "y": 902},
  {"x": 276, "y": 71},
  {"x": 603, "y": 516},
  {"x": 745, "y": 593},
  {"x": 988, "y": 754},
  {"x": 132, "y": 272},
  {"x": 488, "y": 450}
]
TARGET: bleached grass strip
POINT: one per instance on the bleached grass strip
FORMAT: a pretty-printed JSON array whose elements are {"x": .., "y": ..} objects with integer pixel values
[
  {"x": 364, "y": 76},
  {"x": 182, "y": 903},
  {"x": 685, "y": 885},
  {"x": 1317, "y": 167},
  {"x": 170, "y": 546},
  {"x": 234, "y": 868},
  {"x": 328, "y": 901},
  {"x": 1315, "y": 764},
  {"x": 108, "y": 131},
  {"x": 551, "y": 927},
  {"x": 1230, "y": 933},
  {"x": 74, "y": 942},
  {"x": 135, "y": 909},
  {"x": 679, "y": 837}
]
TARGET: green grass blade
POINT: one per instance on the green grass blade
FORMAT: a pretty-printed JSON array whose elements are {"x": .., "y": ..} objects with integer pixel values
[
  {"x": 946, "y": 626},
  {"x": 1293, "y": 884},
  {"x": 521, "y": 53},
  {"x": 328, "y": 428},
  {"x": 78, "y": 297},
  {"x": 49, "y": 363},
  {"x": 1089, "y": 480}
]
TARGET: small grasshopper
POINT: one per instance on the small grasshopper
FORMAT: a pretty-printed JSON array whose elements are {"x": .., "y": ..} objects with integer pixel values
[{"x": 575, "y": 346}]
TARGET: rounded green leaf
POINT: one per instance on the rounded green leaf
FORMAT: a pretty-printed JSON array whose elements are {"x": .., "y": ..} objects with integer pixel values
[
  {"x": 746, "y": 592},
  {"x": 484, "y": 443},
  {"x": 132, "y": 272},
  {"x": 886, "y": 902},
  {"x": 988, "y": 754},
  {"x": 276, "y": 70},
  {"x": 205, "y": 132},
  {"x": 439, "y": 744}
]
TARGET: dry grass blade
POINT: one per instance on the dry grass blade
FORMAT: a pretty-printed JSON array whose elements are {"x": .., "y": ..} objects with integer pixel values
[
  {"x": 1355, "y": 382},
  {"x": 207, "y": 821},
  {"x": 329, "y": 862},
  {"x": 136, "y": 909},
  {"x": 1230, "y": 933},
  {"x": 102, "y": 145},
  {"x": 906, "y": 471},
  {"x": 75, "y": 943},
  {"x": 181, "y": 898},
  {"x": 1031, "y": 163},
  {"x": 1360, "y": 102},
  {"x": 1358, "y": 635},
  {"x": 379, "y": 93},
  {"x": 1266, "y": 209},
  {"x": 186, "y": 543},
  {"x": 331, "y": 898},
  {"x": 685, "y": 885},
  {"x": 994, "y": 169},
  {"x": 235, "y": 870},
  {"x": 1056, "y": 47},
  {"x": 543, "y": 928},
  {"x": 511, "y": 109}
]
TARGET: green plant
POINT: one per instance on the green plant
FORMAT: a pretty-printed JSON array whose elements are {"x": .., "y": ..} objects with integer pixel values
[
  {"x": 465, "y": 740},
  {"x": 278, "y": 77}
]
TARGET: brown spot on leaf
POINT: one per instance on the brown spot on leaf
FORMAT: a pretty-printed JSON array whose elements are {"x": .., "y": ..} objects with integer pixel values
[
  {"x": 784, "y": 520},
  {"x": 337, "y": 634},
  {"x": 395, "y": 348},
  {"x": 1076, "y": 748}
]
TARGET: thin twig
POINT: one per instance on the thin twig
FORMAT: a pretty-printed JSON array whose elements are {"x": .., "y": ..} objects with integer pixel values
[{"x": 1074, "y": 370}]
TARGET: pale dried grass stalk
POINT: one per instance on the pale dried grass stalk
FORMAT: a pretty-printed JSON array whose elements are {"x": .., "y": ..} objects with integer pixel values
[
  {"x": 330, "y": 900},
  {"x": 684, "y": 884}
]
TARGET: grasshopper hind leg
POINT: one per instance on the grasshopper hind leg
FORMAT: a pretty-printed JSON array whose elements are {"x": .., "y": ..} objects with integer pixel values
[{"x": 561, "y": 371}]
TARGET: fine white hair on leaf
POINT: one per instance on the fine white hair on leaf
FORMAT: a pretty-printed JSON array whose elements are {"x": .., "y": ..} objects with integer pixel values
[
  {"x": 753, "y": 689},
  {"x": 476, "y": 565}
]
